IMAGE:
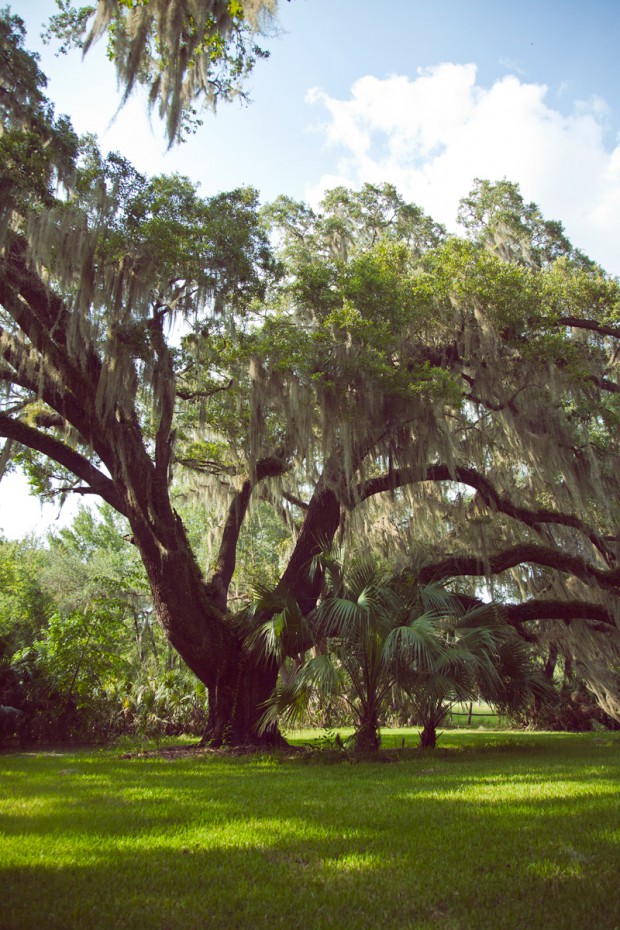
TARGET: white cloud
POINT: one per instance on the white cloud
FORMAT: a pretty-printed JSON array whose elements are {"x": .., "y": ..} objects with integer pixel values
[
  {"x": 512, "y": 64},
  {"x": 433, "y": 134}
]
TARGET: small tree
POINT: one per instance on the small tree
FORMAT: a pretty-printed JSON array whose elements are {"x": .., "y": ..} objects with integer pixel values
[
  {"x": 449, "y": 654},
  {"x": 345, "y": 641},
  {"x": 373, "y": 634}
]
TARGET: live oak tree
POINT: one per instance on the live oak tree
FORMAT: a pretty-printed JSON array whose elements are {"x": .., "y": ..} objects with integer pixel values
[{"x": 453, "y": 401}]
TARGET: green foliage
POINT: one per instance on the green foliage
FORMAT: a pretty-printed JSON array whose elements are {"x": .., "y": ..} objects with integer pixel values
[
  {"x": 24, "y": 604},
  {"x": 36, "y": 149},
  {"x": 80, "y": 653},
  {"x": 496, "y": 215}
]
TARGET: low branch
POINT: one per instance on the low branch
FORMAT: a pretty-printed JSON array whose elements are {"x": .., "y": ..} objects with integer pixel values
[
  {"x": 455, "y": 566},
  {"x": 561, "y": 610},
  {"x": 598, "y": 617},
  {"x": 318, "y": 530}
]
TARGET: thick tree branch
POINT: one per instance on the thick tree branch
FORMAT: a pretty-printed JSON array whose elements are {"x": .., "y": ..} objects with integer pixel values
[
  {"x": 320, "y": 525},
  {"x": 39, "y": 313},
  {"x": 591, "y": 325},
  {"x": 454, "y": 566},
  {"x": 491, "y": 497},
  {"x": 164, "y": 389},
  {"x": 566, "y": 611},
  {"x": 605, "y": 384},
  {"x": 598, "y": 617},
  {"x": 227, "y": 555}
]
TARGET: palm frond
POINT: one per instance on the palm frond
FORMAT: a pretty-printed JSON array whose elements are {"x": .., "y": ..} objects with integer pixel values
[
  {"x": 285, "y": 631},
  {"x": 416, "y": 644}
]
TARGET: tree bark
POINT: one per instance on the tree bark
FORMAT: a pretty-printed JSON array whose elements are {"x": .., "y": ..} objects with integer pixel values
[{"x": 235, "y": 707}]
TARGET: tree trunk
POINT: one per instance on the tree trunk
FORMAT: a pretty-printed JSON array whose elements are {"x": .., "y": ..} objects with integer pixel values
[
  {"x": 235, "y": 708},
  {"x": 367, "y": 737},
  {"x": 428, "y": 736},
  {"x": 194, "y": 618}
]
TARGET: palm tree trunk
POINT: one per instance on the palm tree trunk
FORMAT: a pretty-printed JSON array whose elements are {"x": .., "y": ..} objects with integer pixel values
[
  {"x": 367, "y": 737},
  {"x": 428, "y": 736}
]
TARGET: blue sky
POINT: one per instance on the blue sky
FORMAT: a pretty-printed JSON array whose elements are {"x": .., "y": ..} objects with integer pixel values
[{"x": 427, "y": 94}]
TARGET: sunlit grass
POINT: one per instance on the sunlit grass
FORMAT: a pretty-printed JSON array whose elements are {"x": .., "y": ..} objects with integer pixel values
[{"x": 494, "y": 830}]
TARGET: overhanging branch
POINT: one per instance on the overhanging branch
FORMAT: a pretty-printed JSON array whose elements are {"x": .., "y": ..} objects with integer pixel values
[
  {"x": 591, "y": 325},
  {"x": 455, "y": 566},
  {"x": 497, "y": 502},
  {"x": 566, "y": 611}
]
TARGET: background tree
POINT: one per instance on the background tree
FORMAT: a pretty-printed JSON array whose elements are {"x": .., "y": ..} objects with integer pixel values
[
  {"x": 379, "y": 378},
  {"x": 81, "y": 654},
  {"x": 24, "y": 610}
]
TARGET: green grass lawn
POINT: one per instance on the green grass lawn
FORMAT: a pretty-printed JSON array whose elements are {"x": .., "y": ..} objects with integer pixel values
[{"x": 493, "y": 830}]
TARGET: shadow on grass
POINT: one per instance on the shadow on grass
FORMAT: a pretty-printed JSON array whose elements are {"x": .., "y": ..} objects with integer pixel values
[{"x": 512, "y": 841}]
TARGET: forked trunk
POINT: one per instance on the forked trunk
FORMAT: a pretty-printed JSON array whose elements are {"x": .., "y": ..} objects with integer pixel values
[{"x": 194, "y": 613}]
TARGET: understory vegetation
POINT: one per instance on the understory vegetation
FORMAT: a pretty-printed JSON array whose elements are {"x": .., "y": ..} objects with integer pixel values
[
  {"x": 83, "y": 659},
  {"x": 493, "y": 831}
]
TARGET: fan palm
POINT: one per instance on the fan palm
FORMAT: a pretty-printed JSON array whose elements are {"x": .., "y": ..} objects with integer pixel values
[
  {"x": 349, "y": 629},
  {"x": 446, "y": 654},
  {"x": 373, "y": 633}
]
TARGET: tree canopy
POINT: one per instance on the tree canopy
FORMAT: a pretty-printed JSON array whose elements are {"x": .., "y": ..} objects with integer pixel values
[{"x": 452, "y": 400}]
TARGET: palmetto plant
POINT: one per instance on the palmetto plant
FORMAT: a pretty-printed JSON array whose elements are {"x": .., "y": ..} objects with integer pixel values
[
  {"x": 373, "y": 633},
  {"x": 345, "y": 641},
  {"x": 446, "y": 654}
]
